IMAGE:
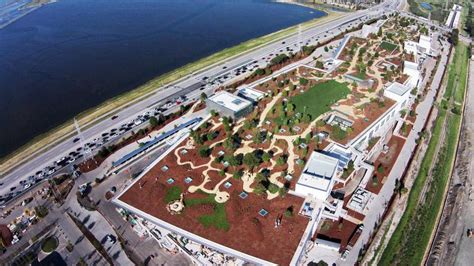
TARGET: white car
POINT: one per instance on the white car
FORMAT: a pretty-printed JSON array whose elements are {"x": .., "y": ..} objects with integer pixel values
[
  {"x": 60, "y": 160},
  {"x": 71, "y": 160},
  {"x": 26, "y": 186},
  {"x": 51, "y": 171}
]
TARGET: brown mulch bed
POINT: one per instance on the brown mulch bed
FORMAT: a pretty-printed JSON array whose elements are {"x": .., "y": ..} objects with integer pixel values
[
  {"x": 342, "y": 230},
  {"x": 249, "y": 232},
  {"x": 387, "y": 160}
]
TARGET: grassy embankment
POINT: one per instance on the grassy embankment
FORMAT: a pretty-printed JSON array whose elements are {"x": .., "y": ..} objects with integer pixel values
[
  {"x": 411, "y": 238},
  {"x": 106, "y": 109}
]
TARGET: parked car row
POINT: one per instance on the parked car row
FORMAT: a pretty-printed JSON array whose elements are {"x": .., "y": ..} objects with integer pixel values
[{"x": 74, "y": 155}]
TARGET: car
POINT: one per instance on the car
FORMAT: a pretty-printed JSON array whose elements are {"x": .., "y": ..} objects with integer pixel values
[
  {"x": 26, "y": 186},
  {"x": 1, "y": 184},
  {"x": 60, "y": 160},
  {"x": 71, "y": 160},
  {"x": 112, "y": 239},
  {"x": 12, "y": 188},
  {"x": 51, "y": 171},
  {"x": 75, "y": 140},
  {"x": 114, "y": 117}
]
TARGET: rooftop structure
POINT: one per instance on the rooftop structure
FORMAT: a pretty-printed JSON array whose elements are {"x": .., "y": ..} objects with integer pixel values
[
  {"x": 411, "y": 69},
  {"x": 371, "y": 29},
  {"x": 229, "y": 105},
  {"x": 318, "y": 175},
  {"x": 421, "y": 48},
  {"x": 397, "y": 92},
  {"x": 341, "y": 46},
  {"x": 454, "y": 16},
  {"x": 156, "y": 140},
  {"x": 332, "y": 244},
  {"x": 425, "y": 42},
  {"x": 250, "y": 94},
  {"x": 339, "y": 119}
]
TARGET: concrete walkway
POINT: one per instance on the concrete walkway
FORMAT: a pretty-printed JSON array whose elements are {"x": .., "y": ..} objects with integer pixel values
[{"x": 377, "y": 206}]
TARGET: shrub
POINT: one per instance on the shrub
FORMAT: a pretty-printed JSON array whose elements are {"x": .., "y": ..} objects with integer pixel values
[
  {"x": 204, "y": 151},
  {"x": 41, "y": 211},
  {"x": 49, "y": 244},
  {"x": 272, "y": 188},
  {"x": 259, "y": 189},
  {"x": 375, "y": 180},
  {"x": 251, "y": 160},
  {"x": 303, "y": 81},
  {"x": 280, "y": 160},
  {"x": 338, "y": 133},
  {"x": 380, "y": 169},
  {"x": 266, "y": 157},
  {"x": 278, "y": 59},
  {"x": 238, "y": 174}
]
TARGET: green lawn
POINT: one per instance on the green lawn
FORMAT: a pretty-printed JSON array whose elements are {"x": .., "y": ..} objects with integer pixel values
[
  {"x": 461, "y": 63},
  {"x": 218, "y": 218},
  {"x": 318, "y": 99},
  {"x": 50, "y": 244},
  {"x": 173, "y": 194},
  {"x": 388, "y": 46}
]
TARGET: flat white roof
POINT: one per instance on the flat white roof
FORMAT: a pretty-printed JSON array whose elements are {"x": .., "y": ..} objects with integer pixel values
[
  {"x": 398, "y": 89},
  {"x": 251, "y": 93},
  {"x": 319, "y": 171},
  {"x": 425, "y": 41},
  {"x": 410, "y": 65},
  {"x": 230, "y": 101},
  {"x": 410, "y": 44}
]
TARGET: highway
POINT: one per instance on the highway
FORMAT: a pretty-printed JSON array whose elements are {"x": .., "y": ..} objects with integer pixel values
[{"x": 192, "y": 86}]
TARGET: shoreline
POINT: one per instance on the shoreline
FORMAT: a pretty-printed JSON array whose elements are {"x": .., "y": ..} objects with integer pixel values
[
  {"x": 92, "y": 116},
  {"x": 30, "y": 7}
]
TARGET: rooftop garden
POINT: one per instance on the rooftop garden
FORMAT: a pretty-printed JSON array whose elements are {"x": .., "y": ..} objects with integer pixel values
[{"x": 388, "y": 46}]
